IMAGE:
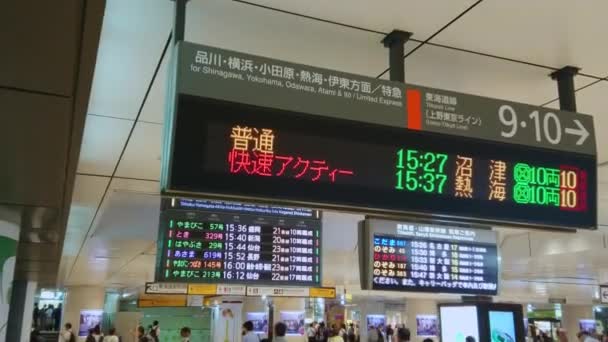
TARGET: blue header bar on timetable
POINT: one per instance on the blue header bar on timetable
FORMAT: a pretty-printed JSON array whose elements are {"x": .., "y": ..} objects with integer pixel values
[{"x": 246, "y": 208}]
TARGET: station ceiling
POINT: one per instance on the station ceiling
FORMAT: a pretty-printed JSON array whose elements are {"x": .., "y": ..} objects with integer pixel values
[{"x": 493, "y": 48}]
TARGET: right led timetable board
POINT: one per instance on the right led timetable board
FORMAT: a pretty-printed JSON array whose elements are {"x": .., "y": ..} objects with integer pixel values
[{"x": 420, "y": 257}]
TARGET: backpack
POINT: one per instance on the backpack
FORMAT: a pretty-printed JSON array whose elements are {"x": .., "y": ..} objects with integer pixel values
[{"x": 72, "y": 337}]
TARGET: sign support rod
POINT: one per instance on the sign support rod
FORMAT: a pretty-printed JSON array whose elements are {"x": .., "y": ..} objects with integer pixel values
[
  {"x": 565, "y": 87},
  {"x": 395, "y": 42},
  {"x": 179, "y": 20}
]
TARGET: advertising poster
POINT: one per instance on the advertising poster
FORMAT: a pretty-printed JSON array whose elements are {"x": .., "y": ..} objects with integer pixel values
[
  {"x": 228, "y": 322},
  {"x": 458, "y": 323},
  {"x": 260, "y": 322},
  {"x": 88, "y": 320},
  {"x": 588, "y": 325},
  {"x": 9, "y": 235},
  {"x": 294, "y": 321},
  {"x": 427, "y": 326},
  {"x": 376, "y": 321},
  {"x": 502, "y": 326}
]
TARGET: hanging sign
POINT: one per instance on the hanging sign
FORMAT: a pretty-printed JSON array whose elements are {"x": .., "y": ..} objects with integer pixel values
[
  {"x": 420, "y": 257},
  {"x": 248, "y": 126}
]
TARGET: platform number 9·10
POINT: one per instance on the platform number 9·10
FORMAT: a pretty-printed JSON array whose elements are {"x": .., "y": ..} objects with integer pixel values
[{"x": 547, "y": 126}]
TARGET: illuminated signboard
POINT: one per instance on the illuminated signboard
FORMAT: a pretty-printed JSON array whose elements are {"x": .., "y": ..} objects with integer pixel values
[
  {"x": 221, "y": 242},
  {"x": 405, "y": 256},
  {"x": 238, "y": 150}
]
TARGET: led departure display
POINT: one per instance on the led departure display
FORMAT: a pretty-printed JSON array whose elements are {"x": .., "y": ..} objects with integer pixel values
[
  {"x": 238, "y": 150},
  {"x": 205, "y": 241},
  {"x": 428, "y": 258}
]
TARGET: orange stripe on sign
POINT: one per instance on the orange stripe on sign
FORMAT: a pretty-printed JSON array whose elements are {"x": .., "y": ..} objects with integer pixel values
[{"x": 414, "y": 112}]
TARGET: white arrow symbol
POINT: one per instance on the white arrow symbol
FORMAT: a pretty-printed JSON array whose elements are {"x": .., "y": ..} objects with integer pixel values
[{"x": 581, "y": 131}]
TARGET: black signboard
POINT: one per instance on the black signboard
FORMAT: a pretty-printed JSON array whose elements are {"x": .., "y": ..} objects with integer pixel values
[
  {"x": 224, "y": 242},
  {"x": 418, "y": 257},
  {"x": 238, "y": 150}
]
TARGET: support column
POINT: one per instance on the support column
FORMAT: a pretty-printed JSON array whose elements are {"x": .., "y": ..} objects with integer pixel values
[
  {"x": 21, "y": 311},
  {"x": 9, "y": 238},
  {"x": 81, "y": 298},
  {"x": 395, "y": 42},
  {"x": 369, "y": 308},
  {"x": 571, "y": 315},
  {"x": 179, "y": 20},
  {"x": 565, "y": 87},
  {"x": 255, "y": 304},
  {"x": 416, "y": 307}
]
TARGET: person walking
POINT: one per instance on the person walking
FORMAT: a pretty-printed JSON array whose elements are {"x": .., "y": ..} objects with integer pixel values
[
  {"x": 280, "y": 329},
  {"x": 249, "y": 335},
  {"x": 372, "y": 334},
  {"x": 389, "y": 333},
  {"x": 36, "y": 315},
  {"x": 67, "y": 335},
  {"x": 48, "y": 315},
  {"x": 141, "y": 335},
  {"x": 334, "y": 335},
  {"x": 156, "y": 330},
  {"x": 185, "y": 334},
  {"x": 57, "y": 317},
  {"x": 111, "y": 336},
  {"x": 403, "y": 335},
  {"x": 322, "y": 333},
  {"x": 311, "y": 333}
]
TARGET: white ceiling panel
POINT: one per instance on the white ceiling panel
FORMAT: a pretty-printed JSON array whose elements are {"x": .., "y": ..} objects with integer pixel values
[
  {"x": 130, "y": 216},
  {"x": 88, "y": 191},
  {"x": 100, "y": 259},
  {"x": 423, "y": 18},
  {"x": 267, "y": 33},
  {"x": 549, "y": 32},
  {"x": 86, "y": 197},
  {"x": 154, "y": 108},
  {"x": 133, "y": 35},
  {"x": 102, "y": 142},
  {"x": 142, "y": 156},
  {"x": 474, "y": 74}
]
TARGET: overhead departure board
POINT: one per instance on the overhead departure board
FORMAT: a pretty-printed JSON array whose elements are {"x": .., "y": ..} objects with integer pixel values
[
  {"x": 418, "y": 257},
  {"x": 211, "y": 241},
  {"x": 238, "y": 150}
]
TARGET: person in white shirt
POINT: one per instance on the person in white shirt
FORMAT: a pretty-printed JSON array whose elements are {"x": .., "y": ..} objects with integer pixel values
[
  {"x": 67, "y": 335},
  {"x": 185, "y": 334},
  {"x": 156, "y": 328},
  {"x": 111, "y": 336},
  {"x": 311, "y": 333},
  {"x": 249, "y": 335},
  {"x": 334, "y": 335}
]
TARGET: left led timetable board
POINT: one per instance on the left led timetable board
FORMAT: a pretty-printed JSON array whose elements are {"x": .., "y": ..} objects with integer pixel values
[{"x": 226, "y": 242}]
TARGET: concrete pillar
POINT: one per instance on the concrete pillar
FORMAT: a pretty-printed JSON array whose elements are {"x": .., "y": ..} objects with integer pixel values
[
  {"x": 255, "y": 304},
  {"x": 571, "y": 315},
  {"x": 417, "y": 307},
  {"x": 19, "y": 324},
  {"x": 369, "y": 307},
  {"x": 81, "y": 298},
  {"x": 288, "y": 304}
]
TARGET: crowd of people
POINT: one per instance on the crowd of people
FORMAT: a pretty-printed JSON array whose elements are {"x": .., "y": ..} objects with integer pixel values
[
  {"x": 315, "y": 332},
  {"x": 562, "y": 336},
  {"x": 320, "y": 332},
  {"x": 47, "y": 318}
]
